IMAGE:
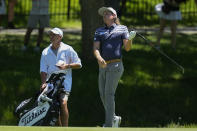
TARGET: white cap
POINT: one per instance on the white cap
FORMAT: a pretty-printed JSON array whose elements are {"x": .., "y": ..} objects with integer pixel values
[
  {"x": 57, "y": 31},
  {"x": 103, "y": 9}
]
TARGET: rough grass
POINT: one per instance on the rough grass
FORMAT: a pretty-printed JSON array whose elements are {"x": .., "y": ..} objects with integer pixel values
[{"x": 151, "y": 93}]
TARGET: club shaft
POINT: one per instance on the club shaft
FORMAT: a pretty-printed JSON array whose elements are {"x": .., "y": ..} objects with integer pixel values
[{"x": 161, "y": 52}]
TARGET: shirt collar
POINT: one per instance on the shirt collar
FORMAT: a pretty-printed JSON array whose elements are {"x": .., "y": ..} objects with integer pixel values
[
  {"x": 111, "y": 27},
  {"x": 57, "y": 49}
]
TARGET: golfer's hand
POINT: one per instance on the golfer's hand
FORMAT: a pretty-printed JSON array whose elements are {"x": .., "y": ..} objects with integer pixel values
[
  {"x": 132, "y": 34},
  {"x": 43, "y": 86},
  {"x": 102, "y": 63}
]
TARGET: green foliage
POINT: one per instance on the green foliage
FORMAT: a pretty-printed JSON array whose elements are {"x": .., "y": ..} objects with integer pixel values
[
  {"x": 58, "y": 10},
  {"x": 136, "y": 12},
  {"x": 142, "y": 12},
  {"x": 151, "y": 93}
]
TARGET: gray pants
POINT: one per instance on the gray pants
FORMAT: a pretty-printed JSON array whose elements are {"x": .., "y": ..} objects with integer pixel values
[
  {"x": 34, "y": 20},
  {"x": 108, "y": 82}
]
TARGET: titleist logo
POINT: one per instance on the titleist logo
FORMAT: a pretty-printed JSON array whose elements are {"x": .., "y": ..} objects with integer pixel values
[{"x": 30, "y": 117}]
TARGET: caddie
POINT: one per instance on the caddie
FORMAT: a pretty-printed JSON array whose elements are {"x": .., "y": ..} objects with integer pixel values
[{"x": 59, "y": 56}]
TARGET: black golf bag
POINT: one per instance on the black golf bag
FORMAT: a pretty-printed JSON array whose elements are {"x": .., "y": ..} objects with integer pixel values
[{"x": 42, "y": 109}]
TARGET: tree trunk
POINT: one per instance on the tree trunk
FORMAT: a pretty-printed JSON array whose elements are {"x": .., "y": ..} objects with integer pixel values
[
  {"x": 90, "y": 21},
  {"x": 114, "y": 4}
]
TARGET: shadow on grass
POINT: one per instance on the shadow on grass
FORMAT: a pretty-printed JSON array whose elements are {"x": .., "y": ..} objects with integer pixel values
[{"x": 151, "y": 93}]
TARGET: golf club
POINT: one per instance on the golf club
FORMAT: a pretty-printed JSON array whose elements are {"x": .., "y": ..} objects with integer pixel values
[{"x": 160, "y": 51}]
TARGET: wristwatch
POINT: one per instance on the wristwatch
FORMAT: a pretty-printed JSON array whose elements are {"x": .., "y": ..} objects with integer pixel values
[{"x": 69, "y": 66}]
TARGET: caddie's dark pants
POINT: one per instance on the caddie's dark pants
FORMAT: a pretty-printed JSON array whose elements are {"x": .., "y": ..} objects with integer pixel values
[{"x": 108, "y": 82}]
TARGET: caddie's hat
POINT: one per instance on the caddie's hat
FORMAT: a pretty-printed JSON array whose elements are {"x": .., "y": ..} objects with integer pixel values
[{"x": 57, "y": 31}]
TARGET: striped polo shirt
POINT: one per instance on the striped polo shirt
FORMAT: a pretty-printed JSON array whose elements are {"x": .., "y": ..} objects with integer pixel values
[{"x": 111, "y": 40}]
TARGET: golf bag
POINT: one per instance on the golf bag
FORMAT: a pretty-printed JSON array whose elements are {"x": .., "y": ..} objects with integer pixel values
[{"x": 42, "y": 109}]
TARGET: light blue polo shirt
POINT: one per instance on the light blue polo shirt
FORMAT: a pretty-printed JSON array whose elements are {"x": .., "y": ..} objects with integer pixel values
[
  {"x": 49, "y": 60},
  {"x": 111, "y": 40}
]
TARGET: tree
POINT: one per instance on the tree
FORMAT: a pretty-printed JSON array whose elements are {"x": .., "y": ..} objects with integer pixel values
[
  {"x": 118, "y": 5},
  {"x": 113, "y": 3},
  {"x": 90, "y": 21}
]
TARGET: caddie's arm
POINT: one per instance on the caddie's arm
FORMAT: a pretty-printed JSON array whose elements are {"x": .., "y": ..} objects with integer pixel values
[
  {"x": 75, "y": 62},
  {"x": 72, "y": 66},
  {"x": 43, "y": 76}
]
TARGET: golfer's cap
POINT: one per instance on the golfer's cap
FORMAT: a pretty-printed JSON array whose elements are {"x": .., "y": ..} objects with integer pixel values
[
  {"x": 57, "y": 31},
  {"x": 103, "y": 9}
]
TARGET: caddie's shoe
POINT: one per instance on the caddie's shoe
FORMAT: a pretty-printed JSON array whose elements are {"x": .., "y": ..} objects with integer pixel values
[{"x": 116, "y": 122}]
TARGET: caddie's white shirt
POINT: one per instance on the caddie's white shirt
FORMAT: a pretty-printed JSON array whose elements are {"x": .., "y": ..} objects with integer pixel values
[{"x": 65, "y": 53}]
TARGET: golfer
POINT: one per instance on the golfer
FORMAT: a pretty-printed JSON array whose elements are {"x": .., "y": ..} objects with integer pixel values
[
  {"x": 108, "y": 43},
  {"x": 59, "y": 56}
]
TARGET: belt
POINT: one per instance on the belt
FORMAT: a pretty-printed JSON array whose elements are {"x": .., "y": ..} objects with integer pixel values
[{"x": 112, "y": 61}]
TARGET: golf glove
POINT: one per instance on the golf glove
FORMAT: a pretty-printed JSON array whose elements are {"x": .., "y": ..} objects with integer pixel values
[{"x": 132, "y": 34}]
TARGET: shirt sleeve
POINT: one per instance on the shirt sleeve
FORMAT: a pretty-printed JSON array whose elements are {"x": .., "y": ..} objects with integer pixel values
[
  {"x": 125, "y": 33},
  {"x": 43, "y": 64},
  {"x": 74, "y": 57},
  {"x": 96, "y": 36}
]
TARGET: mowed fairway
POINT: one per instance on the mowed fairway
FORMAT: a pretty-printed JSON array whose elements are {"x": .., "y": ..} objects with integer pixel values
[{"x": 15, "y": 128}]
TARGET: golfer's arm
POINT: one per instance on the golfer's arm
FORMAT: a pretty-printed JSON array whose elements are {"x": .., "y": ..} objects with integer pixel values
[
  {"x": 127, "y": 44},
  {"x": 43, "y": 77},
  {"x": 96, "y": 48}
]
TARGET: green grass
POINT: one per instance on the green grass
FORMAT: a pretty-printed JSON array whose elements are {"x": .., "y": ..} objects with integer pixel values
[
  {"x": 68, "y": 24},
  {"x": 178, "y": 125},
  {"x": 151, "y": 93},
  {"x": 11, "y": 128}
]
